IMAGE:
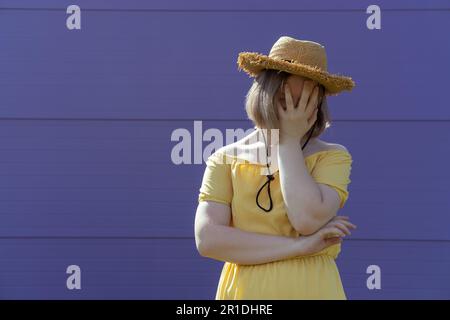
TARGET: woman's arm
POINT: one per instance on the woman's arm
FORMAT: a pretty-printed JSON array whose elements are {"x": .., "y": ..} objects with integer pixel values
[
  {"x": 308, "y": 205},
  {"x": 216, "y": 239}
]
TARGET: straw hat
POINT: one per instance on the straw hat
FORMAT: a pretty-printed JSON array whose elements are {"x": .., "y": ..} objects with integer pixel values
[{"x": 301, "y": 57}]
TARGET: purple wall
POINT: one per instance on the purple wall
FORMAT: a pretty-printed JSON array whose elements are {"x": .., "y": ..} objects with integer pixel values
[{"x": 86, "y": 118}]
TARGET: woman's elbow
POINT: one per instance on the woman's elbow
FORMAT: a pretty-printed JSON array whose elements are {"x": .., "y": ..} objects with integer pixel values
[
  {"x": 203, "y": 241},
  {"x": 210, "y": 218},
  {"x": 306, "y": 226}
]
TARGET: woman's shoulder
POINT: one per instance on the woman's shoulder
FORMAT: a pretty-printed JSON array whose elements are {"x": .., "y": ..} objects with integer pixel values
[
  {"x": 246, "y": 149},
  {"x": 321, "y": 146}
]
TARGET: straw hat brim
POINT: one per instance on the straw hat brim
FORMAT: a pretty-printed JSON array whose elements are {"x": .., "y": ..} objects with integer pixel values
[{"x": 253, "y": 63}]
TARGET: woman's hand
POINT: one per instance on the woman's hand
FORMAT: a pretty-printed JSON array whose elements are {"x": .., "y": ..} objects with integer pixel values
[
  {"x": 295, "y": 121},
  {"x": 330, "y": 234}
]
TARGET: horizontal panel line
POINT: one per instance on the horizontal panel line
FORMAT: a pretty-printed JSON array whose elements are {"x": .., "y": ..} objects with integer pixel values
[
  {"x": 231, "y": 10},
  {"x": 205, "y": 119},
  {"x": 185, "y": 238}
]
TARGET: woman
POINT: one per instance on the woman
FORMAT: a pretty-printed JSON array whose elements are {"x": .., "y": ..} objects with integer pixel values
[{"x": 273, "y": 219}]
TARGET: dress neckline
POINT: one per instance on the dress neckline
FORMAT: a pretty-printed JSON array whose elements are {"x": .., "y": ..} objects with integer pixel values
[
  {"x": 327, "y": 150},
  {"x": 305, "y": 157},
  {"x": 247, "y": 151}
]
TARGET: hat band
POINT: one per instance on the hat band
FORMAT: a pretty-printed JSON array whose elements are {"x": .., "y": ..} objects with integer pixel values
[{"x": 299, "y": 62}]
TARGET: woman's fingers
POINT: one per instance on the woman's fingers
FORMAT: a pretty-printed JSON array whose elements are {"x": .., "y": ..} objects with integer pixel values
[
  {"x": 288, "y": 97},
  {"x": 281, "y": 110},
  {"x": 336, "y": 230},
  {"x": 307, "y": 92},
  {"x": 342, "y": 224},
  {"x": 333, "y": 232},
  {"x": 312, "y": 102},
  {"x": 343, "y": 227},
  {"x": 308, "y": 98},
  {"x": 312, "y": 119},
  {"x": 344, "y": 219},
  {"x": 348, "y": 224}
]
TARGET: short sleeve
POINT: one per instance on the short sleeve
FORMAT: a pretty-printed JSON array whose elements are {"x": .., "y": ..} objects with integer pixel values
[
  {"x": 216, "y": 183},
  {"x": 333, "y": 169}
]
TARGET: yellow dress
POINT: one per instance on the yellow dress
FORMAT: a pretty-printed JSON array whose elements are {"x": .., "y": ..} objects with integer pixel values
[{"x": 236, "y": 183}]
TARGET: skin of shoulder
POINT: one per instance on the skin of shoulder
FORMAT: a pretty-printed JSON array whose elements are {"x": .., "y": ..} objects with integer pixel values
[
  {"x": 323, "y": 145},
  {"x": 242, "y": 144}
]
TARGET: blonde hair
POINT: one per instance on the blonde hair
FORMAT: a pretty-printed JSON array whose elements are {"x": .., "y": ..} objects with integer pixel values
[{"x": 260, "y": 102}]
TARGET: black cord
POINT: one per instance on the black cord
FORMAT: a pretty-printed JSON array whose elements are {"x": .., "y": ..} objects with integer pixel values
[{"x": 269, "y": 178}]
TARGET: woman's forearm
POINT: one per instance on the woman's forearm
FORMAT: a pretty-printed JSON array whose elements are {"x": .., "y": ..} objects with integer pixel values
[
  {"x": 231, "y": 244},
  {"x": 302, "y": 195}
]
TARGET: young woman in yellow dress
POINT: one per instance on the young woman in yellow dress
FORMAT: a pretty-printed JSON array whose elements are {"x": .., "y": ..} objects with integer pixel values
[{"x": 268, "y": 203}]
